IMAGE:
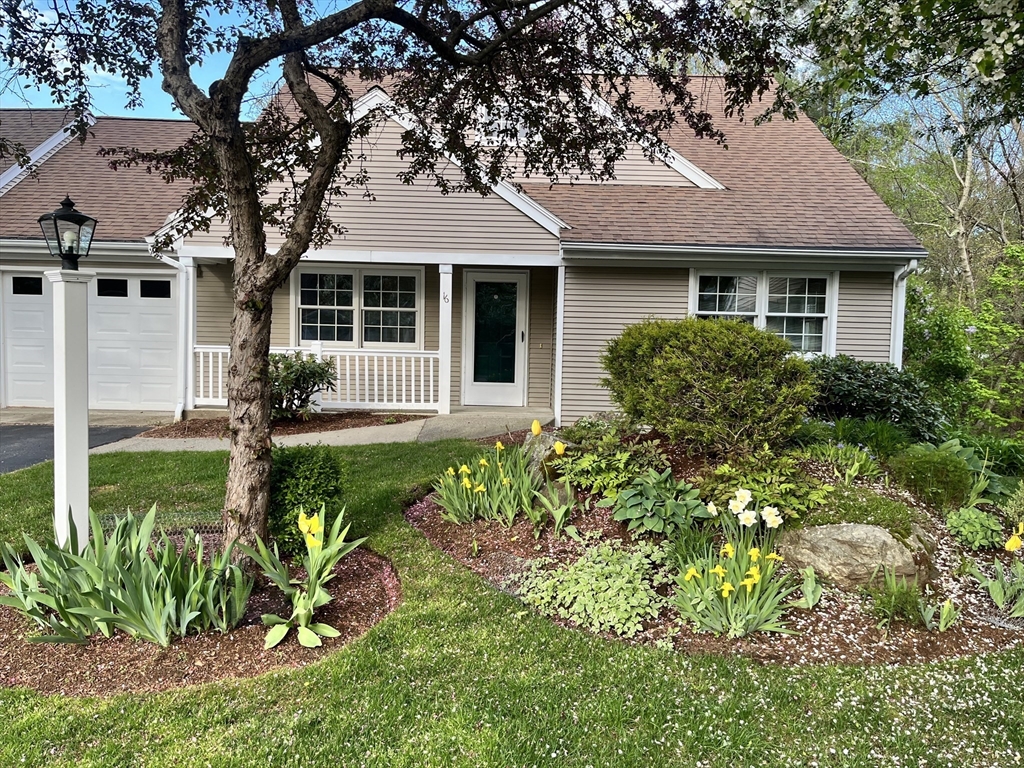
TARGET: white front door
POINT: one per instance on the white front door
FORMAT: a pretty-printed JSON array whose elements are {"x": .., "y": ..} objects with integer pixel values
[{"x": 494, "y": 338}]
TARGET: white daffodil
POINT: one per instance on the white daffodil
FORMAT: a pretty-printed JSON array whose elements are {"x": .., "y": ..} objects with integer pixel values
[
  {"x": 736, "y": 506},
  {"x": 767, "y": 512},
  {"x": 748, "y": 517},
  {"x": 743, "y": 496},
  {"x": 712, "y": 510}
]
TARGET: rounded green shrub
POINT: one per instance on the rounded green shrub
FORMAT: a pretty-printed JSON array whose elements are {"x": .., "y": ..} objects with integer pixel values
[
  {"x": 717, "y": 386},
  {"x": 306, "y": 477},
  {"x": 939, "y": 478},
  {"x": 1013, "y": 507},
  {"x": 859, "y": 389}
]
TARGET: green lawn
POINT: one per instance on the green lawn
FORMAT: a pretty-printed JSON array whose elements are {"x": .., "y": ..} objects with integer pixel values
[{"x": 461, "y": 675}]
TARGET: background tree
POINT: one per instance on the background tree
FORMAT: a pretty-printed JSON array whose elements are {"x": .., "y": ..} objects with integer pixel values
[{"x": 523, "y": 67}]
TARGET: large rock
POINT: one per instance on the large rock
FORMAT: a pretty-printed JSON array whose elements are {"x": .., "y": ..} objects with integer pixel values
[
  {"x": 539, "y": 450},
  {"x": 851, "y": 554}
]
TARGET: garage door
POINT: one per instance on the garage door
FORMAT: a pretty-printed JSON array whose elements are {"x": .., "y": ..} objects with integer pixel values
[{"x": 133, "y": 338}]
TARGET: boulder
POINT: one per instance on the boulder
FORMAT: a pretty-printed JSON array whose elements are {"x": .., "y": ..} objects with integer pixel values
[
  {"x": 539, "y": 450},
  {"x": 850, "y": 554}
]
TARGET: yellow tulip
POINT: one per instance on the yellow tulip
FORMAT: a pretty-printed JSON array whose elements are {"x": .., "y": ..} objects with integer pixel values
[
  {"x": 484, "y": 462},
  {"x": 755, "y": 554},
  {"x": 727, "y": 588},
  {"x": 311, "y": 541},
  {"x": 691, "y": 575},
  {"x": 464, "y": 469},
  {"x": 559, "y": 447},
  {"x": 749, "y": 584},
  {"x": 498, "y": 446},
  {"x": 535, "y": 427},
  {"x": 1013, "y": 543},
  {"x": 466, "y": 483},
  {"x": 303, "y": 522},
  {"x": 451, "y": 471}
]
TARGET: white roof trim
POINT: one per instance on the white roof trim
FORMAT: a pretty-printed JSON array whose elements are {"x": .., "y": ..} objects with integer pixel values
[
  {"x": 14, "y": 174},
  {"x": 376, "y": 98},
  {"x": 617, "y": 250},
  {"x": 669, "y": 156}
]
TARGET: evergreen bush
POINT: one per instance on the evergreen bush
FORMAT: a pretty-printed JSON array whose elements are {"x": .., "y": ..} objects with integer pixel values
[{"x": 302, "y": 477}]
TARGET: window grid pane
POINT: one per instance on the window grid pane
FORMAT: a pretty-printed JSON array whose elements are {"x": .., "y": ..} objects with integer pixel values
[
  {"x": 719, "y": 295},
  {"x": 325, "y": 307},
  {"x": 797, "y": 295},
  {"x": 389, "y": 309}
]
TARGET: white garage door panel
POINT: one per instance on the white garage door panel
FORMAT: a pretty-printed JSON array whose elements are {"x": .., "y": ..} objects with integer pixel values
[{"x": 133, "y": 355}]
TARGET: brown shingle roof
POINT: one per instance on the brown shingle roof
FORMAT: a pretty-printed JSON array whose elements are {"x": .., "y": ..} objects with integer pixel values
[
  {"x": 129, "y": 203},
  {"x": 786, "y": 187},
  {"x": 30, "y": 128}
]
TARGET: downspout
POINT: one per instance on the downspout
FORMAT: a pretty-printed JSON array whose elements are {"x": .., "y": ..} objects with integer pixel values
[
  {"x": 899, "y": 307},
  {"x": 184, "y": 292}
]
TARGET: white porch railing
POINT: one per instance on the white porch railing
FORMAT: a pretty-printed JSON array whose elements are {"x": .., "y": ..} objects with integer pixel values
[{"x": 402, "y": 380}]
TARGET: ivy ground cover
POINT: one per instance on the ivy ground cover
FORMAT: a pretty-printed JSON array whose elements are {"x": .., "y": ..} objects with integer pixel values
[{"x": 461, "y": 674}]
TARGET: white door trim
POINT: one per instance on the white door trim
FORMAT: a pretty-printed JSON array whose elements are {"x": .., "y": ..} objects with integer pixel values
[{"x": 474, "y": 393}]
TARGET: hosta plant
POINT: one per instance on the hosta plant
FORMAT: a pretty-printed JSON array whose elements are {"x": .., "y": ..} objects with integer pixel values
[
  {"x": 656, "y": 503},
  {"x": 149, "y": 588},
  {"x": 310, "y": 592},
  {"x": 1005, "y": 587}
]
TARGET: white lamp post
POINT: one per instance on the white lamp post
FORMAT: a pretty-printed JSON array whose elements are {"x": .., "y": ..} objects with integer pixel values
[{"x": 68, "y": 235}]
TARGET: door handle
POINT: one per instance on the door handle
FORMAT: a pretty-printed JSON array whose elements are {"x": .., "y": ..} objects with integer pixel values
[{"x": 522, "y": 335}]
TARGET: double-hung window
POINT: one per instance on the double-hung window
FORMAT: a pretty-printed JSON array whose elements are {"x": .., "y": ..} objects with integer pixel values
[
  {"x": 793, "y": 306},
  {"x": 360, "y": 308}
]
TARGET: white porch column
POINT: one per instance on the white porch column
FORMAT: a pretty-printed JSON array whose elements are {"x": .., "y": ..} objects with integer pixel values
[
  {"x": 444, "y": 341},
  {"x": 189, "y": 324},
  {"x": 71, "y": 403},
  {"x": 316, "y": 349}
]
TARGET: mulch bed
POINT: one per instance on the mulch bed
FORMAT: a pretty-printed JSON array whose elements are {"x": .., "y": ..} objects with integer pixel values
[
  {"x": 839, "y": 629},
  {"x": 365, "y": 590},
  {"x": 329, "y": 421}
]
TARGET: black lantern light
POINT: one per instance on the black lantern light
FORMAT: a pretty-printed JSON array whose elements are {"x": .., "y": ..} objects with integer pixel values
[{"x": 68, "y": 233}]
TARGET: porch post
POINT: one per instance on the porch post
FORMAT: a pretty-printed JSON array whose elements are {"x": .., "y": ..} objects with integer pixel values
[{"x": 444, "y": 341}]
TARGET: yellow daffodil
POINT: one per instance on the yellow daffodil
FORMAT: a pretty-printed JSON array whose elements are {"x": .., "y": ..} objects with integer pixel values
[
  {"x": 728, "y": 550},
  {"x": 498, "y": 446},
  {"x": 691, "y": 575},
  {"x": 480, "y": 489},
  {"x": 309, "y": 524},
  {"x": 559, "y": 447},
  {"x": 719, "y": 571},
  {"x": 775, "y": 557},
  {"x": 484, "y": 462},
  {"x": 754, "y": 554},
  {"x": 311, "y": 541},
  {"x": 712, "y": 510},
  {"x": 749, "y": 584},
  {"x": 727, "y": 588},
  {"x": 464, "y": 469},
  {"x": 535, "y": 427},
  {"x": 743, "y": 496},
  {"x": 1013, "y": 544},
  {"x": 451, "y": 471},
  {"x": 466, "y": 483}
]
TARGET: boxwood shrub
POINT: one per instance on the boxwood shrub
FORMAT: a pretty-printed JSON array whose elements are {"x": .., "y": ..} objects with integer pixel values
[
  {"x": 939, "y": 478},
  {"x": 859, "y": 389},
  {"x": 303, "y": 476},
  {"x": 717, "y": 386}
]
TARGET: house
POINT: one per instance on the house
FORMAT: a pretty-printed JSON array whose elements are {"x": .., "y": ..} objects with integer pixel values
[{"x": 430, "y": 302}]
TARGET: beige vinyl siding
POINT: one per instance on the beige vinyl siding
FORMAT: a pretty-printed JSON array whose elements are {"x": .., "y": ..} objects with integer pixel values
[
  {"x": 214, "y": 308},
  {"x": 457, "y": 336},
  {"x": 633, "y": 169},
  {"x": 417, "y": 217},
  {"x": 864, "y": 324},
  {"x": 542, "y": 336},
  {"x": 599, "y": 303}
]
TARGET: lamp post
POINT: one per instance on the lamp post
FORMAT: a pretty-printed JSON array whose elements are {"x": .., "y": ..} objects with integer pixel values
[{"x": 68, "y": 235}]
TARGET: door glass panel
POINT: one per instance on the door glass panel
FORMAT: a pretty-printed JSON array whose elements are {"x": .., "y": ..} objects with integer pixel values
[{"x": 494, "y": 349}]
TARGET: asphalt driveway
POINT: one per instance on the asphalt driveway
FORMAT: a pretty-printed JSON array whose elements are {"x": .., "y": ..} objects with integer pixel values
[{"x": 22, "y": 445}]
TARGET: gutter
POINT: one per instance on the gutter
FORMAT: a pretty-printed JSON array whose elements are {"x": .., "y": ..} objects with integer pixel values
[
  {"x": 899, "y": 309},
  {"x": 620, "y": 250}
]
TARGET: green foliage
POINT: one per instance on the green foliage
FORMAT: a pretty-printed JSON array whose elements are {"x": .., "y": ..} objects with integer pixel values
[
  {"x": 939, "y": 478},
  {"x": 810, "y": 590},
  {"x": 294, "y": 380},
  {"x": 1005, "y": 587},
  {"x": 854, "y": 504},
  {"x": 894, "y": 599},
  {"x": 974, "y": 528},
  {"x": 127, "y": 581},
  {"x": 850, "y": 388},
  {"x": 497, "y": 486},
  {"x": 777, "y": 480},
  {"x": 310, "y": 592},
  {"x": 949, "y": 614},
  {"x": 607, "y": 465},
  {"x": 1013, "y": 508},
  {"x": 1006, "y": 455},
  {"x": 656, "y": 503},
  {"x": 879, "y": 437},
  {"x": 847, "y": 461},
  {"x": 735, "y": 592},
  {"x": 719, "y": 387},
  {"x": 609, "y": 588},
  {"x": 589, "y": 431},
  {"x": 302, "y": 477},
  {"x": 560, "y": 507}
]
